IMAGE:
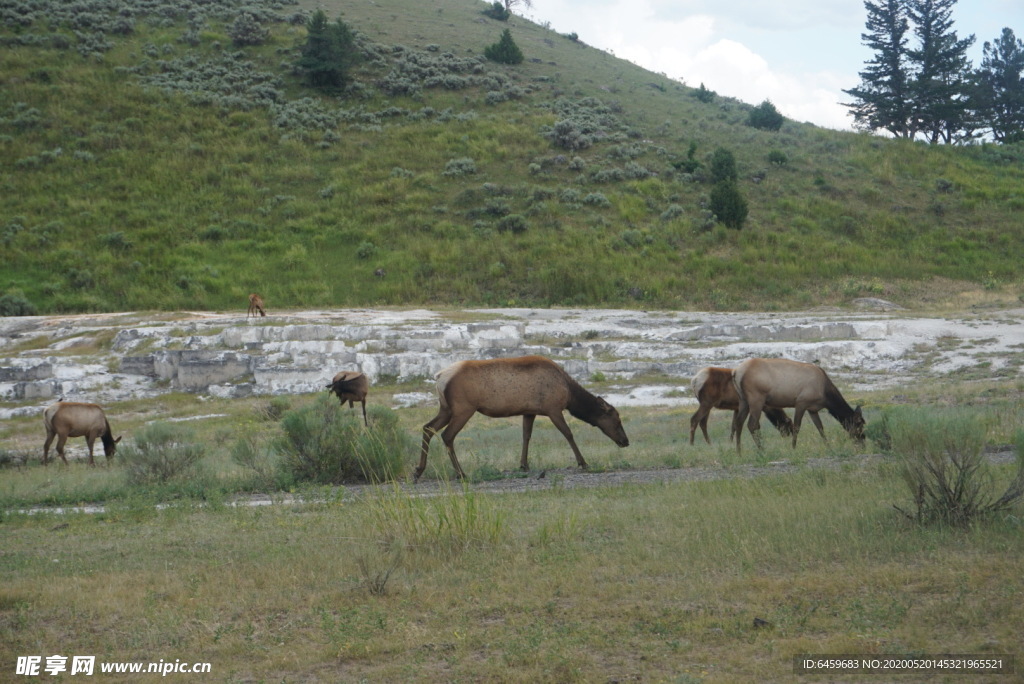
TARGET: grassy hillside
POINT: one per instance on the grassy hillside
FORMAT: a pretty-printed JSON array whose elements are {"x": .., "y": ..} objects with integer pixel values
[{"x": 150, "y": 163}]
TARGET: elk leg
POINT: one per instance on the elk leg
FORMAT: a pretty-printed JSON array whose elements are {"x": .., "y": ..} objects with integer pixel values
[
  {"x": 365, "y": 422},
  {"x": 91, "y": 441},
  {"x": 753, "y": 422},
  {"x": 61, "y": 439},
  {"x": 429, "y": 430},
  {"x": 700, "y": 418},
  {"x": 46, "y": 447},
  {"x": 817, "y": 424},
  {"x": 524, "y": 464},
  {"x": 563, "y": 427},
  {"x": 455, "y": 425},
  {"x": 798, "y": 417},
  {"x": 738, "y": 418}
]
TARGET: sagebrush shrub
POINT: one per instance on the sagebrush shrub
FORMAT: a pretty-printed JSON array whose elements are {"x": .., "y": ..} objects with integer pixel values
[
  {"x": 160, "y": 453},
  {"x": 328, "y": 444},
  {"x": 942, "y": 461}
]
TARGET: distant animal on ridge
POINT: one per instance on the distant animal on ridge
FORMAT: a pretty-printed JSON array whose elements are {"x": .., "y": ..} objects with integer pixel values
[
  {"x": 714, "y": 390},
  {"x": 781, "y": 383},
  {"x": 351, "y": 386},
  {"x": 74, "y": 419},
  {"x": 527, "y": 386},
  {"x": 255, "y": 304}
]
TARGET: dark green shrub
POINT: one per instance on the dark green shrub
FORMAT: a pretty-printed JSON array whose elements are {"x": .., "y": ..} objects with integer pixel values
[
  {"x": 766, "y": 117},
  {"x": 513, "y": 223},
  {"x": 328, "y": 444},
  {"x": 497, "y": 11},
  {"x": 728, "y": 204},
  {"x": 778, "y": 158},
  {"x": 160, "y": 453},
  {"x": 15, "y": 304},
  {"x": 704, "y": 95},
  {"x": 505, "y": 51},
  {"x": 328, "y": 54},
  {"x": 723, "y": 166}
]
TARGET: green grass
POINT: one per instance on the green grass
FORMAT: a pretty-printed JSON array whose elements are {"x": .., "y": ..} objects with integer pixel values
[
  {"x": 657, "y": 582},
  {"x": 165, "y": 202}
]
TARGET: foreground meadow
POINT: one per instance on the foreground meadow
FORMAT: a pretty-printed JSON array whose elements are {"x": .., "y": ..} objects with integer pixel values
[{"x": 688, "y": 581}]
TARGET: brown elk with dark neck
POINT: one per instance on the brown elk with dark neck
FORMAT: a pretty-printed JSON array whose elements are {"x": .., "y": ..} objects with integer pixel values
[
  {"x": 527, "y": 386},
  {"x": 714, "y": 390},
  {"x": 351, "y": 386},
  {"x": 781, "y": 383},
  {"x": 73, "y": 419}
]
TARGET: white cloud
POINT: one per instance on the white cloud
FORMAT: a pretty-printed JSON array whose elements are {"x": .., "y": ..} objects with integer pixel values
[{"x": 685, "y": 41}]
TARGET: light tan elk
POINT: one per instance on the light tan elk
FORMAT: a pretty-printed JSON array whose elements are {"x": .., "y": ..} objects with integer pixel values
[
  {"x": 781, "y": 383},
  {"x": 714, "y": 390},
  {"x": 351, "y": 386},
  {"x": 527, "y": 386},
  {"x": 255, "y": 304},
  {"x": 73, "y": 419}
]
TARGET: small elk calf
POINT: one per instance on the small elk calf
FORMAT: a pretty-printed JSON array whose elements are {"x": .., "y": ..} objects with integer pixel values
[
  {"x": 255, "y": 304},
  {"x": 351, "y": 386}
]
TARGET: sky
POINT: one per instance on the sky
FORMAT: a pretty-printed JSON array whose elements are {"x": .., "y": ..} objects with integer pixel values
[{"x": 800, "y": 54}]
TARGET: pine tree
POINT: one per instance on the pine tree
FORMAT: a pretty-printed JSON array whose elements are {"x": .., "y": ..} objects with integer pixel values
[
  {"x": 999, "y": 91},
  {"x": 505, "y": 51},
  {"x": 883, "y": 97},
  {"x": 941, "y": 71},
  {"x": 328, "y": 53}
]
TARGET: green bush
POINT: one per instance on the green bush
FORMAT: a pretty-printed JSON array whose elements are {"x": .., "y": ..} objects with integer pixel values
[
  {"x": 497, "y": 11},
  {"x": 728, "y": 204},
  {"x": 505, "y": 51},
  {"x": 161, "y": 452},
  {"x": 723, "y": 166},
  {"x": 15, "y": 304},
  {"x": 942, "y": 460},
  {"x": 326, "y": 444},
  {"x": 766, "y": 117}
]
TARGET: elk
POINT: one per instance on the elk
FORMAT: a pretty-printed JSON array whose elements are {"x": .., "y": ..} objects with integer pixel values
[
  {"x": 255, "y": 304},
  {"x": 527, "y": 386},
  {"x": 714, "y": 390},
  {"x": 351, "y": 386},
  {"x": 74, "y": 419},
  {"x": 781, "y": 383}
]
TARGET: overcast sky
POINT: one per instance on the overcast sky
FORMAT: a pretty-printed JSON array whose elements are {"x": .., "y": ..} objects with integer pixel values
[{"x": 800, "y": 54}]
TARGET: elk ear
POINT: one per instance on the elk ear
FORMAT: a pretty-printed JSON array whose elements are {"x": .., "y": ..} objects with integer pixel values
[
  {"x": 118, "y": 439},
  {"x": 857, "y": 411}
]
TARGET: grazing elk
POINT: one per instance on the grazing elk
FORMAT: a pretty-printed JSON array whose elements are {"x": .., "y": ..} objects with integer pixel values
[
  {"x": 351, "y": 386},
  {"x": 781, "y": 383},
  {"x": 255, "y": 304},
  {"x": 527, "y": 386},
  {"x": 73, "y": 419},
  {"x": 714, "y": 390}
]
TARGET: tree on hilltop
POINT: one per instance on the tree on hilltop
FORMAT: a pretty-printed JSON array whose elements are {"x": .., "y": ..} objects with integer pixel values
[{"x": 999, "y": 88}]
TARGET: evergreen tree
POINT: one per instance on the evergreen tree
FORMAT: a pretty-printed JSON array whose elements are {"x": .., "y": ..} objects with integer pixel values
[
  {"x": 723, "y": 166},
  {"x": 766, "y": 117},
  {"x": 728, "y": 204},
  {"x": 883, "y": 97},
  {"x": 505, "y": 51},
  {"x": 999, "y": 88},
  {"x": 941, "y": 71},
  {"x": 328, "y": 53}
]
